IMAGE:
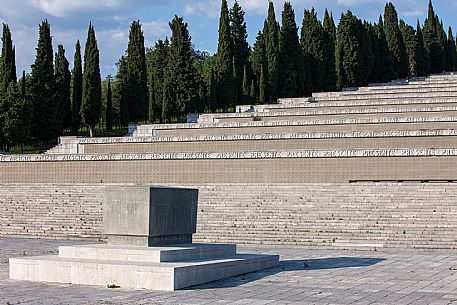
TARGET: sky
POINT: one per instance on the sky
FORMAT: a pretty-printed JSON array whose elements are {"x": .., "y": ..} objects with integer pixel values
[{"x": 69, "y": 21}]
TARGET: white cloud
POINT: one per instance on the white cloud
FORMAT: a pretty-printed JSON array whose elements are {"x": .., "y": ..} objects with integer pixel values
[
  {"x": 208, "y": 7},
  {"x": 62, "y": 8},
  {"x": 351, "y": 2},
  {"x": 154, "y": 30}
]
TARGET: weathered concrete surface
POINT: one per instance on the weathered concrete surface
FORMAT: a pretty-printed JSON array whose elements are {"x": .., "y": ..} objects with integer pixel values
[
  {"x": 304, "y": 277},
  {"x": 149, "y": 215}
]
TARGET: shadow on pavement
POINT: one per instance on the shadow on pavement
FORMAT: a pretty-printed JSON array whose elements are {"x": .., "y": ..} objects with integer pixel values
[{"x": 292, "y": 265}]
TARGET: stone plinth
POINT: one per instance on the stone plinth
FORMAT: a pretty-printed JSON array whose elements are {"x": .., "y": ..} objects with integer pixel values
[
  {"x": 141, "y": 222},
  {"x": 149, "y": 216}
]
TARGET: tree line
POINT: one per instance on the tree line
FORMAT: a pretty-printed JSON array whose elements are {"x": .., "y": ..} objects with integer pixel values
[{"x": 165, "y": 82}]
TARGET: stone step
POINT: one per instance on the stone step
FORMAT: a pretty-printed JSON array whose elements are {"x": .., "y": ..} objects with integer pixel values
[
  {"x": 135, "y": 275},
  {"x": 153, "y": 254}
]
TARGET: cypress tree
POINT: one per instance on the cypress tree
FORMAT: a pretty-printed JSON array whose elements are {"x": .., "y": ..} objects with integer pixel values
[
  {"x": 383, "y": 70},
  {"x": 168, "y": 96},
  {"x": 43, "y": 88},
  {"x": 352, "y": 54},
  {"x": 442, "y": 40},
  {"x": 422, "y": 62},
  {"x": 262, "y": 87},
  {"x": 137, "y": 88},
  {"x": 291, "y": 73},
  {"x": 17, "y": 117},
  {"x": 329, "y": 31},
  {"x": 8, "y": 60},
  {"x": 451, "y": 53},
  {"x": 24, "y": 85},
  {"x": 7, "y": 74},
  {"x": 240, "y": 46},
  {"x": 252, "y": 95},
  {"x": 435, "y": 51},
  {"x": 395, "y": 41},
  {"x": 63, "y": 87},
  {"x": 212, "y": 91},
  {"x": 313, "y": 44},
  {"x": 410, "y": 39},
  {"x": 77, "y": 88},
  {"x": 258, "y": 60},
  {"x": 122, "y": 87},
  {"x": 92, "y": 84},
  {"x": 109, "y": 107},
  {"x": 271, "y": 52},
  {"x": 181, "y": 70},
  {"x": 224, "y": 61},
  {"x": 246, "y": 86},
  {"x": 158, "y": 61}
]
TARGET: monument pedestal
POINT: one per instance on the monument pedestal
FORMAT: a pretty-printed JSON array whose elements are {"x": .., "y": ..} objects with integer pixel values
[
  {"x": 140, "y": 223},
  {"x": 158, "y": 268}
]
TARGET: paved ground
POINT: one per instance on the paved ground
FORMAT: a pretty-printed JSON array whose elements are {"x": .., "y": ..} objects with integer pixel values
[{"x": 304, "y": 277}]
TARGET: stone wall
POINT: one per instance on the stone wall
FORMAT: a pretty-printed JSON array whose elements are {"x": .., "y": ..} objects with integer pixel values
[{"x": 237, "y": 167}]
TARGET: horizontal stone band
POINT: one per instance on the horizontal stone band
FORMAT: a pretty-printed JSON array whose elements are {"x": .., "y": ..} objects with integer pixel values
[
  {"x": 332, "y": 112},
  {"x": 305, "y": 103},
  {"x": 273, "y": 136},
  {"x": 420, "y": 152},
  {"x": 381, "y": 120}
]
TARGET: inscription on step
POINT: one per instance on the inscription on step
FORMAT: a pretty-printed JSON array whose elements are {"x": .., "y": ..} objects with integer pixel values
[
  {"x": 334, "y": 112},
  {"x": 420, "y": 152},
  {"x": 382, "y": 120},
  {"x": 274, "y": 136},
  {"x": 303, "y": 103}
]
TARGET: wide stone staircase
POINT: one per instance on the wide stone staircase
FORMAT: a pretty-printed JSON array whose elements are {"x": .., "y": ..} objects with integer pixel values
[
  {"x": 347, "y": 216},
  {"x": 350, "y": 216}
]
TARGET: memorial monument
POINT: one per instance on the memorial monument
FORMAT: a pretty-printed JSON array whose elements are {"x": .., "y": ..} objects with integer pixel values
[{"x": 149, "y": 231}]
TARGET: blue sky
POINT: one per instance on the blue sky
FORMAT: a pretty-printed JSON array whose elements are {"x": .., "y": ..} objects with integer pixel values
[{"x": 69, "y": 20}]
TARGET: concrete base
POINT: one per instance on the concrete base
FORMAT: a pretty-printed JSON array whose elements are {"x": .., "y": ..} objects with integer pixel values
[{"x": 157, "y": 268}]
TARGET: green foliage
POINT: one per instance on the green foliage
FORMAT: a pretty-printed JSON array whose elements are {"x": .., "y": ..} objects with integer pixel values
[
  {"x": 157, "y": 61},
  {"x": 258, "y": 60},
  {"x": 77, "y": 87},
  {"x": 246, "y": 86},
  {"x": 240, "y": 45},
  {"x": 395, "y": 41},
  {"x": 63, "y": 83},
  {"x": 271, "y": 52},
  {"x": 291, "y": 68},
  {"x": 422, "y": 62},
  {"x": 109, "y": 107},
  {"x": 7, "y": 74},
  {"x": 410, "y": 39},
  {"x": 8, "y": 60},
  {"x": 329, "y": 31},
  {"x": 352, "y": 54},
  {"x": 17, "y": 116},
  {"x": 180, "y": 73},
  {"x": 122, "y": 94},
  {"x": 433, "y": 45},
  {"x": 383, "y": 70},
  {"x": 224, "y": 61},
  {"x": 137, "y": 88},
  {"x": 262, "y": 87},
  {"x": 212, "y": 91},
  {"x": 451, "y": 53},
  {"x": 92, "y": 84},
  {"x": 313, "y": 44},
  {"x": 43, "y": 88}
]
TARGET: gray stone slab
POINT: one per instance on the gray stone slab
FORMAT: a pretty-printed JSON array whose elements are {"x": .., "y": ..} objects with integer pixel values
[
  {"x": 149, "y": 216},
  {"x": 170, "y": 253},
  {"x": 133, "y": 274}
]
